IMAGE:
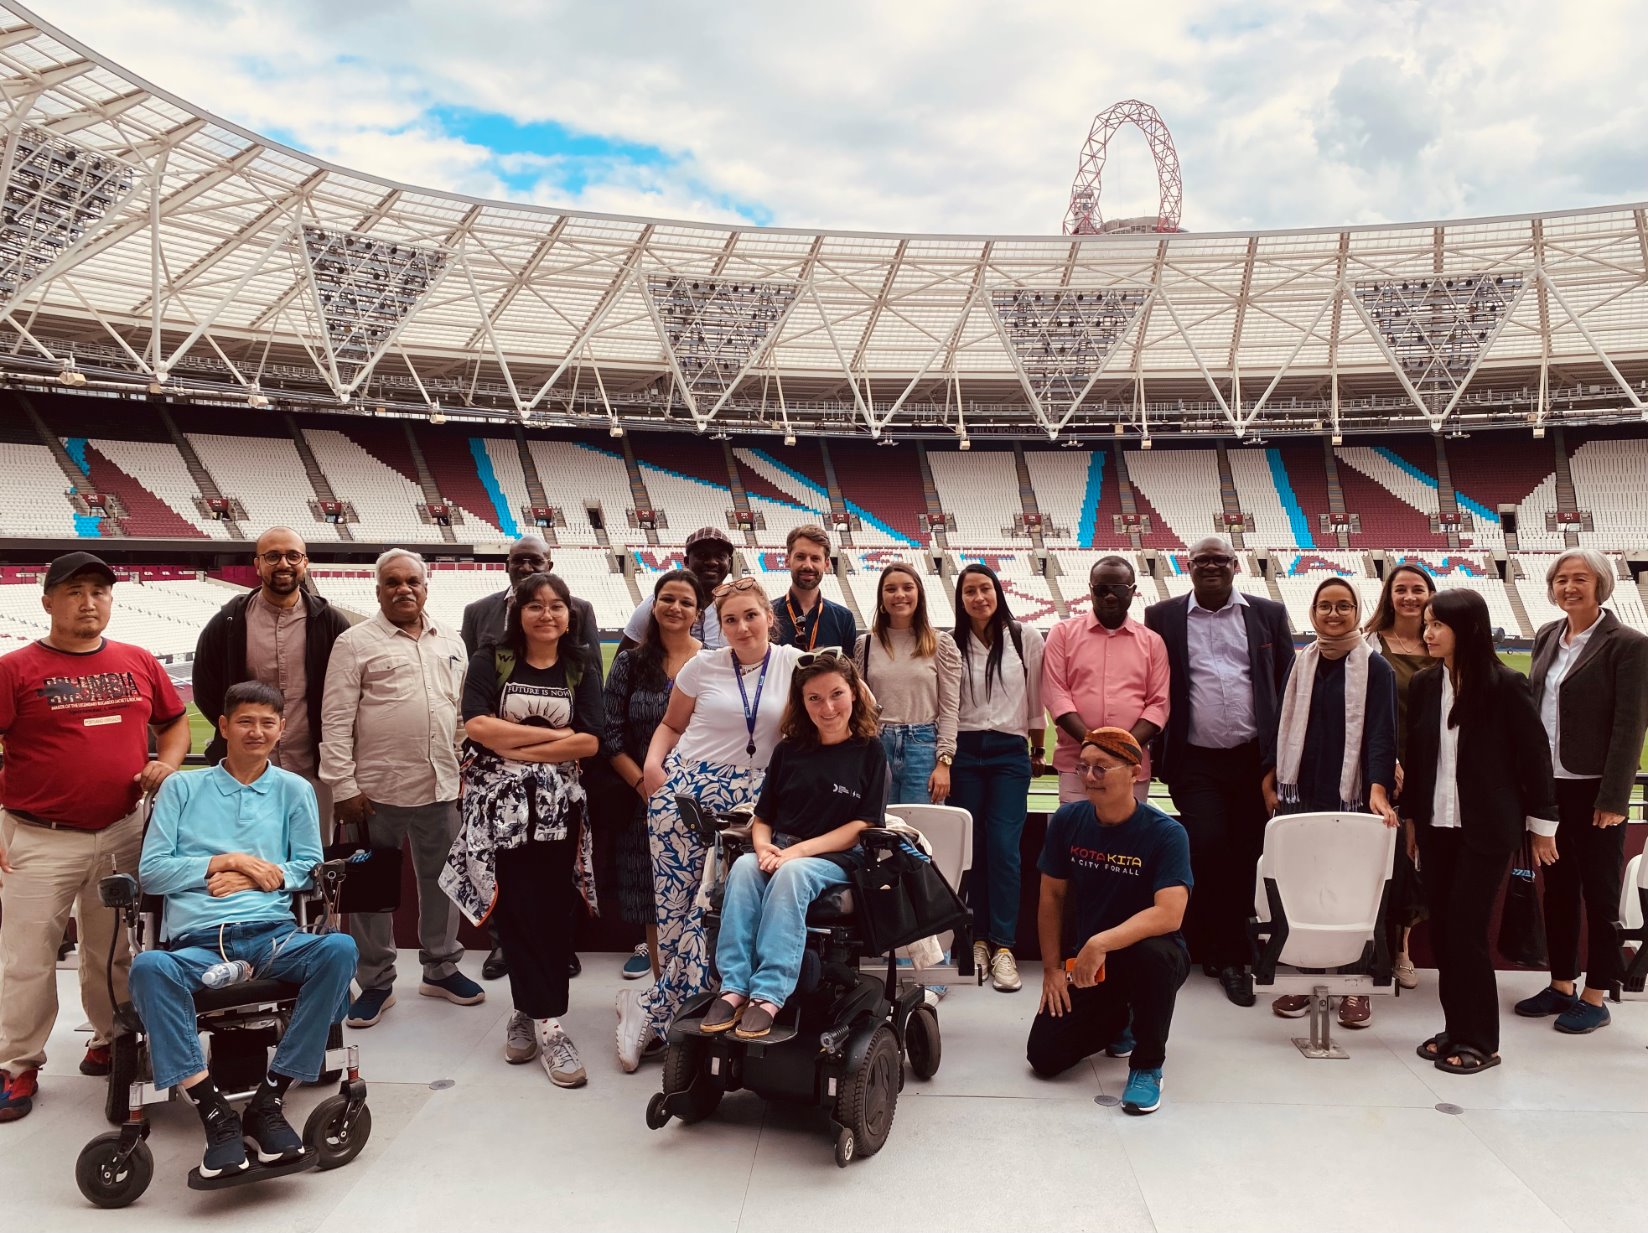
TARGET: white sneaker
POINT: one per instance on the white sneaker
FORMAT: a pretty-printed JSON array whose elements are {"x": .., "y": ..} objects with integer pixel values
[
  {"x": 981, "y": 957},
  {"x": 1004, "y": 972},
  {"x": 560, "y": 1057},
  {"x": 520, "y": 1040},
  {"x": 634, "y": 1027}
]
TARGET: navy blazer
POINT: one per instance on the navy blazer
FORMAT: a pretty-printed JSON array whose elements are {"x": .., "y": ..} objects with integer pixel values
[{"x": 1270, "y": 650}]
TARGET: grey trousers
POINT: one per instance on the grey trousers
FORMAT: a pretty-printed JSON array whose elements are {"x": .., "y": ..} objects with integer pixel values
[{"x": 426, "y": 832}]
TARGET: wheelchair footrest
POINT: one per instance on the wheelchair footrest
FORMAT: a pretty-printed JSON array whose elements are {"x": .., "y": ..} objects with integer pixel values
[
  {"x": 779, "y": 1034},
  {"x": 254, "y": 1172}
]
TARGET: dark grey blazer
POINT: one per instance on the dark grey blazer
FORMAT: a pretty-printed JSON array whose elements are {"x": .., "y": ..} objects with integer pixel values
[
  {"x": 483, "y": 621},
  {"x": 1602, "y": 705}
]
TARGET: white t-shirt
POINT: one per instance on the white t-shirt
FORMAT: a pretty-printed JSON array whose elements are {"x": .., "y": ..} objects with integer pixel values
[
  {"x": 718, "y": 731},
  {"x": 707, "y": 628}
]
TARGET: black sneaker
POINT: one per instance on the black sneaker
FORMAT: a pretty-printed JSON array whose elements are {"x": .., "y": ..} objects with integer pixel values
[
  {"x": 225, "y": 1153},
  {"x": 265, "y": 1124}
]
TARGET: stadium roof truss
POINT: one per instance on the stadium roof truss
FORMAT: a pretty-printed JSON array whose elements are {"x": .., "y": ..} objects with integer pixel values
[{"x": 149, "y": 247}]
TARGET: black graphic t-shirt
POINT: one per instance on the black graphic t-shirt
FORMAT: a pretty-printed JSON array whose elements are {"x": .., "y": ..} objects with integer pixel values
[
  {"x": 1114, "y": 871},
  {"x": 810, "y": 790},
  {"x": 538, "y": 696}
]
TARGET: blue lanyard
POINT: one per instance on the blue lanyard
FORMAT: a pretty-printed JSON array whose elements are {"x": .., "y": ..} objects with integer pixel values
[{"x": 760, "y": 681}]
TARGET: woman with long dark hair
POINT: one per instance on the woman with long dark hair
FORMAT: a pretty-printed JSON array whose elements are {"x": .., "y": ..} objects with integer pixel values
[
  {"x": 999, "y": 734},
  {"x": 825, "y": 784},
  {"x": 637, "y": 692},
  {"x": 531, "y": 711},
  {"x": 915, "y": 673},
  {"x": 1396, "y": 632},
  {"x": 1478, "y": 777}
]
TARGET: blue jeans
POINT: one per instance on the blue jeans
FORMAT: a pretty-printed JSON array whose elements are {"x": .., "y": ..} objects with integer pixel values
[
  {"x": 163, "y": 986},
  {"x": 991, "y": 781},
  {"x": 764, "y": 924},
  {"x": 912, "y": 753}
]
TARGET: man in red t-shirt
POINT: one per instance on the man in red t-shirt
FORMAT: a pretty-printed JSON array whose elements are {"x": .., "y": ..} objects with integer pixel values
[{"x": 75, "y": 712}]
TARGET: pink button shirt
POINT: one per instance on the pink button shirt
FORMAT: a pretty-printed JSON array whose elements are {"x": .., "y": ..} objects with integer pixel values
[{"x": 1110, "y": 677}]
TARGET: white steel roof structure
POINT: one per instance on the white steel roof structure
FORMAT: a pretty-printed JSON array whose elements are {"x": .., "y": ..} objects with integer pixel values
[{"x": 149, "y": 246}]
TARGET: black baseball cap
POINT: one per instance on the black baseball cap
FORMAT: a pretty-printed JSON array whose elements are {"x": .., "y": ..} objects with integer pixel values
[{"x": 72, "y": 563}]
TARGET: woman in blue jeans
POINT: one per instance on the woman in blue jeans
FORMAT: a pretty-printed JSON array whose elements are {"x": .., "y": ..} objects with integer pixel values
[
  {"x": 915, "y": 671},
  {"x": 825, "y": 784},
  {"x": 1000, "y": 731}
]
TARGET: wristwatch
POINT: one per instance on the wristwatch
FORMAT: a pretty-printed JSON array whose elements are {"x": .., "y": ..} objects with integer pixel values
[{"x": 946, "y": 759}]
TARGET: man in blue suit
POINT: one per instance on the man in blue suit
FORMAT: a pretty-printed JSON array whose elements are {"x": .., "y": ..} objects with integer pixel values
[{"x": 1228, "y": 655}]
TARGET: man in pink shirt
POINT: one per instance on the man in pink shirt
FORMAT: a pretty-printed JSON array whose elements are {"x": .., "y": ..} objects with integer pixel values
[{"x": 1104, "y": 670}]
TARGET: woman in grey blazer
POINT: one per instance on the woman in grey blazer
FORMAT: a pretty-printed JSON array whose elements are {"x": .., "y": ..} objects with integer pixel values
[{"x": 1590, "y": 682}]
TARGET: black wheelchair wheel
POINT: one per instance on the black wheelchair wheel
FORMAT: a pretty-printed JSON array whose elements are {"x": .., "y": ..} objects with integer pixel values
[
  {"x": 657, "y": 1115},
  {"x": 869, "y": 1095},
  {"x": 108, "y": 1183},
  {"x": 921, "y": 1042},
  {"x": 334, "y": 1040},
  {"x": 687, "y": 1081},
  {"x": 123, "y": 1072},
  {"x": 329, "y": 1138},
  {"x": 844, "y": 1148}
]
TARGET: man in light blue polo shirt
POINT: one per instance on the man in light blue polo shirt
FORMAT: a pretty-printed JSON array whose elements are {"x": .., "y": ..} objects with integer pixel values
[{"x": 226, "y": 848}]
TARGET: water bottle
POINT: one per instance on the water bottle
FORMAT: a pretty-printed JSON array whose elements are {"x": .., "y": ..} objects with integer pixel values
[{"x": 229, "y": 972}]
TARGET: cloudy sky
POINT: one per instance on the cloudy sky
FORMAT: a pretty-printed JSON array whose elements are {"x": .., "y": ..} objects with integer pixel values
[{"x": 916, "y": 116}]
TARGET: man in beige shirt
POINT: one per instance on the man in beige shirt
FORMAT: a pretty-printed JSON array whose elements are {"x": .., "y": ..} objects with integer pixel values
[{"x": 391, "y": 728}]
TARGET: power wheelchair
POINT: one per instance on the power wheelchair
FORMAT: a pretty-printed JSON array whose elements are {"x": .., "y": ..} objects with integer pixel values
[
  {"x": 840, "y": 1041},
  {"x": 242, "y": 1021}
]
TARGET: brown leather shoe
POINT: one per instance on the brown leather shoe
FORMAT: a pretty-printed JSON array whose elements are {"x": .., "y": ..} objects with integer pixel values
[{"x": 1356, "y": 1012}]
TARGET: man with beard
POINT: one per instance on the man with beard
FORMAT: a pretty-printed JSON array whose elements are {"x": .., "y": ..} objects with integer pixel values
[
  {"x": 709, "y": 556},
  {"x": 483, "y": 620},
  {"x": 483, "y": 623},
  {"x": 804, "y": 618},
  {"x": 280, "y": 633},
  {"x": 1229, "y": 654},
  {"x": 1104, "y": 670}
]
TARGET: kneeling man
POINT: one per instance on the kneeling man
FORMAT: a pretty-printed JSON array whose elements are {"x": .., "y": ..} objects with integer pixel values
[
  {"x": 226, "y": 848},
  {"x": 1129, "y": 864}
]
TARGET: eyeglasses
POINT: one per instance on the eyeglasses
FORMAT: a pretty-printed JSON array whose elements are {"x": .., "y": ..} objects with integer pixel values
[
  {"x": 1092, "y": 770},
  {"x": 749, "y": 582},
  {"x": 291, "y": 558},
  {"x": 1113, "y": 588},
  {"x": 1212, "y": 562},
  {"x": 832, "y": 653},
  {"x": 532, "y": 563},
  {"x": 1343, "y": 607}
]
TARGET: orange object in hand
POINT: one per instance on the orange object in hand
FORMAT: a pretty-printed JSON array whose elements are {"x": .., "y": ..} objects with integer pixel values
[{"x": 1070, "y": 971}]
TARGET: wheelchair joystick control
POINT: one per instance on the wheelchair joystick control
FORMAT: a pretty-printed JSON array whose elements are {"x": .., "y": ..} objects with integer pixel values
[
  {"x": 117, "y": 890},
  {"x": 229, "y": 972}
]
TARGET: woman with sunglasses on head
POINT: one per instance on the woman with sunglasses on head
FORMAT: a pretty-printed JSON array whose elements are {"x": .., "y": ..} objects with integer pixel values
[
  {"x": 825, "y": 784},
  {"x": 1478, "y": 779},
  {"x": 717, "y": 735},
  {"x": 532, "y": 707},
  {"x": 915, "y": 671},
  {"x": 999, "y": 735},
  {"x": 1396, "y": 632},
  {"x": 1336, "y": 740},
  {"x": 637, "y": 692}
]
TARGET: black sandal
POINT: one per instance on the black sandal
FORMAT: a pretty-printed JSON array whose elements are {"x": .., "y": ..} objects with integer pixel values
[
  {"x": 1471, "y": 1060},
  {"x": 1432, "y": 1049},
  {"x": 722, "y": 1016},
  {"x": 756, "y": 1023}
]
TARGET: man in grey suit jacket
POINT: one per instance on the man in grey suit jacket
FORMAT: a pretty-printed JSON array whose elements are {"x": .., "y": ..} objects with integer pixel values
[{"x": 483, "y": 622}]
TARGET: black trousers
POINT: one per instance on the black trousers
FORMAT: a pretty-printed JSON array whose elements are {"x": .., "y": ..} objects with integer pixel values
[
  {"x": 1222, "y": 807},
  {"x": 536, "y": 899},
  {"x": 1461, "y": 886},
  {"x": 1143, "y": 979},
  {"x": 1590, "y": 863}
]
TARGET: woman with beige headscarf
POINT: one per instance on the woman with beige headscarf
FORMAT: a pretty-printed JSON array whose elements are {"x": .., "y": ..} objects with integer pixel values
[{"x": 1336, "y": 739}]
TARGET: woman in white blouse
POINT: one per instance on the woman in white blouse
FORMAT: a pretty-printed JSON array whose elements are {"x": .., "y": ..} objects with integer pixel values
[
  {"x": 717, "y": 736},
  {"x": 999, "y": 746}
]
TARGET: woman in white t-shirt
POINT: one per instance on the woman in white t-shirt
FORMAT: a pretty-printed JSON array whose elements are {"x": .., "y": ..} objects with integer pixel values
[{"x": 714, "y": 743}]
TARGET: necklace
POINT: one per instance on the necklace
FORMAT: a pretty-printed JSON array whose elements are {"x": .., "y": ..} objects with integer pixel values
[{"x": 1402, "y": 646}]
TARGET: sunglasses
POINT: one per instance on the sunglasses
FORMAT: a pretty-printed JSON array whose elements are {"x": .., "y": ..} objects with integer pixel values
[
  {"x": 749, "y": 582},
  {"x": 830, "y": 654}
]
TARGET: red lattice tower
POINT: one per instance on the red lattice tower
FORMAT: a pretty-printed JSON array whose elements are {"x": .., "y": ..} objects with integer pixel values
[{"x": 1083, "y": 217}]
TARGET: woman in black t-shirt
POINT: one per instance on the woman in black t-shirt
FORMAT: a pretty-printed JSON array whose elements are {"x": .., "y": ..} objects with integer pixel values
[
  {"x": 827, "y": 781},
  {"x": 530, "y": 712}
]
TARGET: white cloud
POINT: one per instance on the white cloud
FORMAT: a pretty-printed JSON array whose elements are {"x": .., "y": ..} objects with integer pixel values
[{"x": 922, "y": 116}]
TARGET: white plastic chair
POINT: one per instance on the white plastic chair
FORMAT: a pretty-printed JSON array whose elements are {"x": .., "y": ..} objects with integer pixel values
[
  {"x": 948, "y": 830},
  {"x": 1322, "y": 891},
  {"x": 1633, "y": 891}
]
